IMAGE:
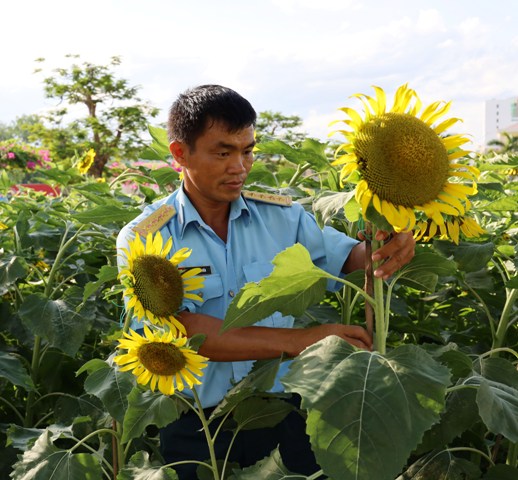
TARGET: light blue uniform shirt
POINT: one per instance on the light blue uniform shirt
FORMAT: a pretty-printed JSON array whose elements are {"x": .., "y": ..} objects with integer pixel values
[{"x": 257, "y": 232}]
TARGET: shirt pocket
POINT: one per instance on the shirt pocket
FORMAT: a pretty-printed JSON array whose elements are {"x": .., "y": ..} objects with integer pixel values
[
  {"x": 255, "y": 272},
  {"x": 211, "y": 294}
]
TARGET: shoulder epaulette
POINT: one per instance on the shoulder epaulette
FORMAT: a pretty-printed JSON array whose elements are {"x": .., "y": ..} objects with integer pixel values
[
  {"x": 155, "y": 221},
  {"x": 268, "y": 198}
]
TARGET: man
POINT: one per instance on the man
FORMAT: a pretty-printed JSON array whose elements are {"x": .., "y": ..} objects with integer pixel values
[{"x": 234, "y": 239}]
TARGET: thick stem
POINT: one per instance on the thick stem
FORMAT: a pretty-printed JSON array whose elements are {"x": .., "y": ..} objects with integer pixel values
[
  {"x": 210, "y": 442},
  {"x": 29, "y": 410},
  {"x": 381, "y": 329},
  {"x": 503, "y": 324},
  {"x": 369, "y": 310}
]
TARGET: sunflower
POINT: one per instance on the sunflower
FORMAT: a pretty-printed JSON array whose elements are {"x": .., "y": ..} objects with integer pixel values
[
  {"x": 86, "y": 162},
  {"x": 406, "y": 172},
  {"x": 154, "y": 285},
  {"x": 161, "y": 359}
]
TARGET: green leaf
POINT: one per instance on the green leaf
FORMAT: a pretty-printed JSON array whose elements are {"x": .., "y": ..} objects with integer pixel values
[
  {"x": 260, "y": 379},
  {"x": 294, "y": 285},
  {"x": 107, "y": 273},
  {"x": 505, "y": 204},
  {"x": 423, "y": 272},
  {"x": 512, "y": 283},
  {"x": 352, "y": 210},
  {"x": 498, "y": 408},
  {"x": 140, "y": 468},
  {"x": 360, "y": 404},
  {"x": 270, "y": 468},
  {"x": 469, "y": 257},
  {"x": 501, "y": 472},
  {"x": 107, "y": 214},
  {"x": 13, "y": 369},
  {"x": 329, "y": 204},
  {"x": 311, "y": 151},
  {"x": 460, "y": 415},
  {"x": 12, "y": 268},
  {"x": 112, "y": 387},
  {"x": 56, "y": 321},
  {"x": 91, "y": 366},
  {"x": 148, "y": 408},
  {"x": 164, "y": 176},
  {"x": 255, "y": 412},
  {"x": 441, "y": 466},
  {"x": 44, "y": 461}
]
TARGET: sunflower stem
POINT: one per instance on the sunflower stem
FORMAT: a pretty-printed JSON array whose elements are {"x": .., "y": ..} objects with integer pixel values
[
  {"x": 210, "y": 442},
  {"x": 503, "y": 324},
  {"x": 381, "y": 327}
]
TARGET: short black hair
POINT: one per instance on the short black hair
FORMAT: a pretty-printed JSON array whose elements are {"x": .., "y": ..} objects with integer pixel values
[{"x": 192, "y": 111}]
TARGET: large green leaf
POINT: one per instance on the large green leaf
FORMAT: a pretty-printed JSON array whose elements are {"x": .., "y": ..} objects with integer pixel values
[
  {"x": 140, "y": 468},
  {"x": 105, "y": 214},
  {"x": 469, "y": 257},
  {"x": 501, "y": 472},
  {"x": 260, "y": 379},
  {"x": 498, "y": 408},
  {"x": 366, "y": 412},
  {"x": 255, "y": 412},
  {"x": 294, "y": 285},
  {"x": 44, "y": 461},
  {"x": 12, "y": 268},
  {"x": 148, "y": 408},
  {"x": 164, "y": 176},
  {"x": 13, "y": 369},
  {"x": 441, "y": 465},
  {"x": 311, "y": 151},
  {"x": 56, "y": 321},
  {"x": 112, "y": 387},
  {"x": 270, "y": 468},
  {"x": 423, "y": 272},
  {"x": 329, "y": 204}
]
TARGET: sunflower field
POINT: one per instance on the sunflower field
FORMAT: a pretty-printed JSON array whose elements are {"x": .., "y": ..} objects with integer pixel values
[{"x": 436, "y": 399}]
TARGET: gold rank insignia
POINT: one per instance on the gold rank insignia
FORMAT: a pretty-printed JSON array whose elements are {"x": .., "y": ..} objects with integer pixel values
[
  {"x": 285, "y": 201},
  {"x": 155, "y": 221}
]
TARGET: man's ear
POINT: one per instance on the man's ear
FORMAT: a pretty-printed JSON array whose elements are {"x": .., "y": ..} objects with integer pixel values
[{"x": 178, "y": 150}]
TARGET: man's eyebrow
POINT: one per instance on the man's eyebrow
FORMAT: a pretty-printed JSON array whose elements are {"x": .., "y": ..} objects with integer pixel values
[{"x": 231, "y": 146}]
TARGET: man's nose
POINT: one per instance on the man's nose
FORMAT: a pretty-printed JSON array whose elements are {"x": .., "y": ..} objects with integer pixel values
[{"x": 237, "y": 163}]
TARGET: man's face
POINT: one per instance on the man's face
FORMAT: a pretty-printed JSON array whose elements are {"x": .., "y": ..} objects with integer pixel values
[{"x": 216, "y": 169}]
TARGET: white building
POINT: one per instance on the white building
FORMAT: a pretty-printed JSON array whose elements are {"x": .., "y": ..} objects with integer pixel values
[{"x": 501, "y": 116}]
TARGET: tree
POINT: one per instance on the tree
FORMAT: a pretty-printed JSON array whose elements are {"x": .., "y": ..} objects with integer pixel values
[
  {"x": 508, "y": 143},
  {"x": 279, "y": 126},
  {"x": 116, "y": 116},
  {"x": 19, "y": 129}
]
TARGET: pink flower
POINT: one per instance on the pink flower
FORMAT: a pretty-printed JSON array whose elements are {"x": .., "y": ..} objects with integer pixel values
[
  {"x": 11, "y": 155},
  {"x": 31, "y": 165}
]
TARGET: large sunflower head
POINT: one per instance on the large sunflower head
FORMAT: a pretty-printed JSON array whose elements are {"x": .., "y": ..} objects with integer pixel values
[
  {"x": 160, "y": 359},
  {"x": 154, "y": 285},
  {"x": 405, "y": 171}
]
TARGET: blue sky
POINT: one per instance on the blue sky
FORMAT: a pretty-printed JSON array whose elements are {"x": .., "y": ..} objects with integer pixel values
[{"x": 299, "y": 57}]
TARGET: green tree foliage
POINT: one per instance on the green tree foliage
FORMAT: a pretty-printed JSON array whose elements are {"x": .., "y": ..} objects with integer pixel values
[
  {"x": 20, "y": 129},
  {"x": 115, "y": 116},
  {"x": 507, "y": 144},
  {"x": 275, "y": 124}
]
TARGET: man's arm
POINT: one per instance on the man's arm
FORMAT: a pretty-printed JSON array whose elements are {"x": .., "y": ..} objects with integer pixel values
[
  {"x": 259, "y": 343},
  {"x": 396, "y": 253}
]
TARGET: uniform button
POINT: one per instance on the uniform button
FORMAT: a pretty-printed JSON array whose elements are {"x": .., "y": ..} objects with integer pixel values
[{"x": 231, "y": 293}]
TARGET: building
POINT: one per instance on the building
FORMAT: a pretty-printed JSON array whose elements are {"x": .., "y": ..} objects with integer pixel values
[{"x": 501, "y": 116}]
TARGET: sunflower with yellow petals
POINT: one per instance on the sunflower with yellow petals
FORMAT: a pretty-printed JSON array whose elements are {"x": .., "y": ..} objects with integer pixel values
[
  {"x": 406, "y": 172},
  {"x": 154, "y": 286},
  {"x": 160, "y": 359},
  {"x": 86, "y": 162}
]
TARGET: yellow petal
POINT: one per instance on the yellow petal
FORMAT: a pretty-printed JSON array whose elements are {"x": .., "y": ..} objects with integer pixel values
[{"x": 356, "y": 119}]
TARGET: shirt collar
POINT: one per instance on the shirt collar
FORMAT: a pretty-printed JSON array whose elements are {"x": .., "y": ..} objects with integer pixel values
[{"x": 188, "y": 214}]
